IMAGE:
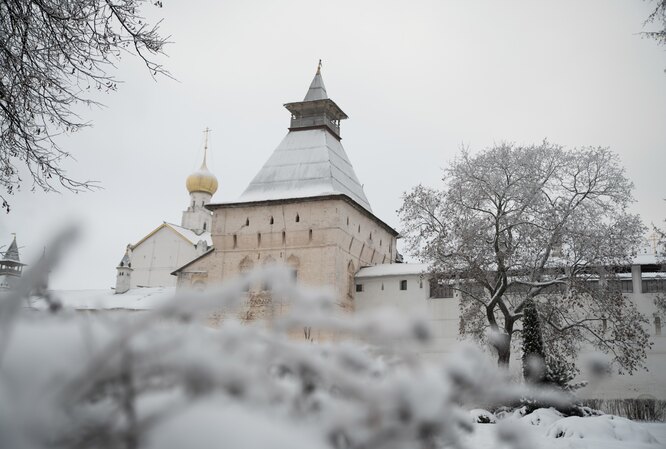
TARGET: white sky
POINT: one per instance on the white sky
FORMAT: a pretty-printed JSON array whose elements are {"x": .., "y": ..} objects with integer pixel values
[{"x": 417, "y": 79}]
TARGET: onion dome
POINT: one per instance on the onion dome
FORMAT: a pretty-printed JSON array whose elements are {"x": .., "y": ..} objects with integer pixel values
[{"x": 202, "y": 180}]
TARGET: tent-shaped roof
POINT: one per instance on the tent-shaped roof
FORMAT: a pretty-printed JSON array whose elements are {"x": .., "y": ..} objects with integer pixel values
[
  {"x": 310, "y": 160},
  {"x": 12, "y": 253},
  {"x": 306, "y": 163}
]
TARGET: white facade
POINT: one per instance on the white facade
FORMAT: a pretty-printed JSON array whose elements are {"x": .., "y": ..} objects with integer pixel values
[
  {"x": 162, "y": 251},
  {"x": 407, "y": 288}
]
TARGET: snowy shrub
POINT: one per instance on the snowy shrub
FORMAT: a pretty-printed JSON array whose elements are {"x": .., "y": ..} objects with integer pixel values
[
  {"x": 482, "y": 416},
  {"x": 542, "y": 417},
  {"x": 163, "y": 379},
  {"x": 607, "y": 427}
]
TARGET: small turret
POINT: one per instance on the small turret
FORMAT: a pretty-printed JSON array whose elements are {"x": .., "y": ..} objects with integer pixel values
[
  {"x": 124, "y": 273},
  {"x": 10, "y": 266}
]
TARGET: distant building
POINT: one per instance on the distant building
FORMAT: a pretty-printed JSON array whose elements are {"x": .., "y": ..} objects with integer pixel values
[
  {"x": 305, "y": 208},
  {"x": 409, "y": 288},
  {"x": 10, "y": 266}
]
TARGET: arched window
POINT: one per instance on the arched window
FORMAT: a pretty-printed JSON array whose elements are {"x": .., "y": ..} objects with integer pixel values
[
  {"x": 310, "y": 236},
  {"x": 247, "y": 221},
  {"x": 271, "y": 221},
  {"x": 258, "y": 239},
  {"x": 298, "y": 218},
  {"x": 284, "y": 238}
]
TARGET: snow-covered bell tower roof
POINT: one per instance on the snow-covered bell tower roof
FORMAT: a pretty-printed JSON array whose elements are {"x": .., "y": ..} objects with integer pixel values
[{"x": 310, "y": 160}]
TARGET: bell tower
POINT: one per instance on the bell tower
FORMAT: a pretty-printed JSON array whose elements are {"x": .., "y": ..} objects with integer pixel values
[{"x": 201, "y": 184}]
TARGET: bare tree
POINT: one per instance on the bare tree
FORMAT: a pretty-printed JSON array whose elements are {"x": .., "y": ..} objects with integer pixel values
[
  {"x": 515, "y": 224},
  {"x": 658, "y": 16},
  {"x": 52, "y": 55}
]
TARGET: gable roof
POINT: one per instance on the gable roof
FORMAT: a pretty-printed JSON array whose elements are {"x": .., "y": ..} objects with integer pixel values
[{"x": 186, "y": 234}]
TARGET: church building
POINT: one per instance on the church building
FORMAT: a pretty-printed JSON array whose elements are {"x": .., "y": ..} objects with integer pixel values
[
  {"x": 150, "y": 261},
  {"x": 305, "y": 208}
]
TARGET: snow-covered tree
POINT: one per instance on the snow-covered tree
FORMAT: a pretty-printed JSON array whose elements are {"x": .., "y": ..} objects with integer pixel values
[
  {"x": 53, "y": 54},
  {"x": 540, "y": 223}
]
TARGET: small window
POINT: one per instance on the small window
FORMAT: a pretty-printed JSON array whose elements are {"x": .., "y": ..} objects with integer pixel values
[
  {"x": 258, "y": 238},
  {"x": 284, "y": 238},
  {"x": 604, "y": 325},
  {"x": 359, "y": 228},
  {"x": 298, "y": 218},
  {"x": 204, "y": 227},
  {"x": 370, "y": 236},
  {"x": 403, "y": 284},
  {"x": 310, "y": 235},
  {"x": 271, "y": 221},
  {"x": 247, "y": 221},
  {"x": 235, "y": 241},
  {"x": 347, "y": 221},
  {"x": 657, "y": 325},
  {"x": 382, "y": 286},
  {"x": 359, "y": 288},
  {"x": 420, "y": 283}
]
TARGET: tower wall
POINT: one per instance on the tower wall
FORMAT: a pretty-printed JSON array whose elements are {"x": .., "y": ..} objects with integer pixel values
[
  {"x": 197, "y": 217},
  {"x": 328, "y": 239}
]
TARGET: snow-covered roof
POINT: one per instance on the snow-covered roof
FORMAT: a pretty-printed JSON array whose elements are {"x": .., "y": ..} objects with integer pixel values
[
  {"x": 393, "y": 269},
  {"x": 191, "y": 235},
  {"x": 317, "y": 90},
  {"x": 133, "y": 299},
  {"x": 12, "y": 253},
  {"x": 185, "y": 233},
  {"x": 307, "y": 163}
]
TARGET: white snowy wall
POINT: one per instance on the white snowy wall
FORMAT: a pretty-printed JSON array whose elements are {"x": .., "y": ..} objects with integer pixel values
[{"x": 157, "y": 256}]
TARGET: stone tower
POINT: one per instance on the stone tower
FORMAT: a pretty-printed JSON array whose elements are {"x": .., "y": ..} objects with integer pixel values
[
  {"x": 124, "y": 273},
  {"x": 305, "y": 208},
  {"x": 10, "y": 267},
  {"x": 201, "y": 184}
]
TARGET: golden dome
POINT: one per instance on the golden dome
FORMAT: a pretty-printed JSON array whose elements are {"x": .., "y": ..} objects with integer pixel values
[{"x": 202, "y": 180}]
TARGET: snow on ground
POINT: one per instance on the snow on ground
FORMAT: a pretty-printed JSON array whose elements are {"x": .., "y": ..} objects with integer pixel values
[{"x": 602, "y": 432}]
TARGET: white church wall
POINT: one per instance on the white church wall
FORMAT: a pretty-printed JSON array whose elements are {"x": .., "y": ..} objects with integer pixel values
[{"x": 156, "y": 257}]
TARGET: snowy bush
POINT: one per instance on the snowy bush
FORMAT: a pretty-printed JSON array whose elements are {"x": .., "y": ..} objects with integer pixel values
[
  {"x": 607, "y": 427},
  {"x": 482, "y": 416},
  {"x": 163, "y": 379}
]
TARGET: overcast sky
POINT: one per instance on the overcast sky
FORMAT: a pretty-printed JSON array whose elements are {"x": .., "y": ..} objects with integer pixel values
[{"x": 417, "y": 79}]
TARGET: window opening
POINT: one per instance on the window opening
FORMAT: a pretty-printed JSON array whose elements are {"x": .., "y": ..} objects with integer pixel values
[
  {"x": 403, "y": 284},
  {"x": 657, "y": 325},
  {"x": 359, "y": 288}
]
